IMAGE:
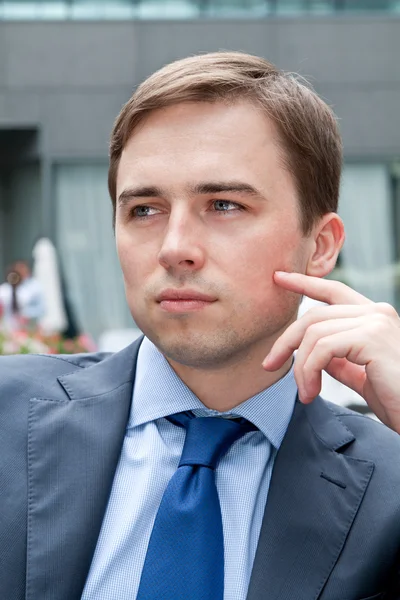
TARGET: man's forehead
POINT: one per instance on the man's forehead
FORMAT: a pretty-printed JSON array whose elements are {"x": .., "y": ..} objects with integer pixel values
[
  {"x": 186, "y": 119},
  {"x": 204, "y": 157}
]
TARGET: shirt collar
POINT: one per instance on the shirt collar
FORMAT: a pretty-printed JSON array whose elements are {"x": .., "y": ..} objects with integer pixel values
[{"x": 159, "y": 392}]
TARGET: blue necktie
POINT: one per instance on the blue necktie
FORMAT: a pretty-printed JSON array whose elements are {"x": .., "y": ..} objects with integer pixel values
[{"x": 185, "y": 556}]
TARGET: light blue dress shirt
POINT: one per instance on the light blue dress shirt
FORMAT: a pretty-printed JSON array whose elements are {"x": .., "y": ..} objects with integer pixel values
[{"x": 150, "y": 455}]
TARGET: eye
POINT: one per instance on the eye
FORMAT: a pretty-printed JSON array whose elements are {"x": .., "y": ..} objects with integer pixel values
[
  {"x": 143, "y": 211},
  {"x": 224, "y": 206}
]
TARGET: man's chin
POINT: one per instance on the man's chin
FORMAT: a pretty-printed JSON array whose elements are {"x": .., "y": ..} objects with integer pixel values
[{"x": 204, "y": 350}]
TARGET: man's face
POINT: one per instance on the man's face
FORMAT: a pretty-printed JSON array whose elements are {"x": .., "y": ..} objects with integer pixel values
[
  {"x": 205, "y": 214},
  {"x": 22, "y": 269}
]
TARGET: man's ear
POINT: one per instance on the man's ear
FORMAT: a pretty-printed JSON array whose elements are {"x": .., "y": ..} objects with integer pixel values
[{"x": 327, "y": 240}]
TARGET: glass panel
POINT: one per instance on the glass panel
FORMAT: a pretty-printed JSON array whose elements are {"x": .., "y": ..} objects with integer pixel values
[
  {"x": 21, "y": 201},
  {"x": 290, "y": 7},
  {"x": 238, "y": 8},
  {"x": 86, "y": 245},
  {"x": 182, "y": 9},
  {"x": 356, "y": 5},
  {"x": 170, "y": 9},
  {"x": 368, "y": 254}
]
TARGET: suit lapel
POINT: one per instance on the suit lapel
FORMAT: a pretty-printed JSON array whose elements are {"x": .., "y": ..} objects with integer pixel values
[
  {"x": 314, "y": 496},
  {"x": 73, "y": 450}
]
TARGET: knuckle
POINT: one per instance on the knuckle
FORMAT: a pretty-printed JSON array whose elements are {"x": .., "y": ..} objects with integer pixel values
[
  {"x": 322, "y": 345},
  {"x": 387, "y": 309},
  {"x": 379, "y": 324},
  {"x": 314, "y": 331},
  {"x": 317, "y": 312}
]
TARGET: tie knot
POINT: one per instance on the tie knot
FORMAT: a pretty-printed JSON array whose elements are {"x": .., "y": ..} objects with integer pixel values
[{"x": 208, "y": 438}]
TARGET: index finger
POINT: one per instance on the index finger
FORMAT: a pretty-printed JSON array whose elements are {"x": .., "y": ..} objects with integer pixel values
[{"x": 324, "y": 290}]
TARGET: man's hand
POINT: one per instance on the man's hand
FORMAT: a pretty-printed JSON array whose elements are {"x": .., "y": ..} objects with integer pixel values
[{"x": 355, "y": 340}]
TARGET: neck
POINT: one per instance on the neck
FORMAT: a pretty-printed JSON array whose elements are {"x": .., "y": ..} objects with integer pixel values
[{"x": 224, "y": 388}]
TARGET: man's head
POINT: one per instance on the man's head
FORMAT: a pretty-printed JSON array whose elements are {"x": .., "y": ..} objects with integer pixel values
[
  {"x": 17, "y": 272},
  {"x": 222, "y": 170}
]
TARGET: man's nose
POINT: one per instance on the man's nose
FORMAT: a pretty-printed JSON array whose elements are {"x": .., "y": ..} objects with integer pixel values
[{"x": 182, "y": 246}]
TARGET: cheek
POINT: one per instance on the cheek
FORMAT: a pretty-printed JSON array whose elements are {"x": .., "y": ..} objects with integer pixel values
[
  {"x": 257, "y": 258},
  {"x": 255, "y": 264},
  {"x": 252, "y": 277},
  {"x": 132, "y": 261}
]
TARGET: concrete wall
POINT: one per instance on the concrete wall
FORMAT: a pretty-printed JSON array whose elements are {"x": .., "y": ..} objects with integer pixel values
[{"x": 70, "y": 79}]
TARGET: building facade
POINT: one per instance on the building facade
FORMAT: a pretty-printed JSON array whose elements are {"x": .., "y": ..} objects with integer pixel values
[{"x": 63, "y": 80}]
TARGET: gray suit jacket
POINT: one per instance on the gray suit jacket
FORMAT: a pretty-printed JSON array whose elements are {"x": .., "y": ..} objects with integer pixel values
[{"x": 331, "y": 529}]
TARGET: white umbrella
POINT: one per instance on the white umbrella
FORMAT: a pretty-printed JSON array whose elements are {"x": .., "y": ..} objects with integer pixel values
[{"x": 45, "y": 270}]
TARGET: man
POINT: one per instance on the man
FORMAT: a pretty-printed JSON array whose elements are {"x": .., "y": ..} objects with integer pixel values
[
  {"x": 224, "y": 177},
  {"x": 21, "y": 297}
]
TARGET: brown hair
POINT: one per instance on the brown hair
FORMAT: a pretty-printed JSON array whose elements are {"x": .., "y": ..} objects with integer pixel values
[{"x": 306, "y": 126}]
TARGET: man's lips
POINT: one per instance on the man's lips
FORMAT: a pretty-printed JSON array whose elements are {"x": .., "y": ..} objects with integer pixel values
[
  {"x": 173, "y": 300},
  {"x": 180, "y": 295}
]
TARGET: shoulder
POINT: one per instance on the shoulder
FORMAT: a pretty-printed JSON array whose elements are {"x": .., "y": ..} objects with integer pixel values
[
  {"x": 373, "y": 439},
  {"x": 31, "y": 375},
  {"x": 23, "y": 377},
  {"x": 367, "y": 451},
  {"x": 52, "y": 361}
]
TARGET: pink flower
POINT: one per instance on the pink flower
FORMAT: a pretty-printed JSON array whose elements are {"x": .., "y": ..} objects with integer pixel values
[{"x": 86, "y": 342}]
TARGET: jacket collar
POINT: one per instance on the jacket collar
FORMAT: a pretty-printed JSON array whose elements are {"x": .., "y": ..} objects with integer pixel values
[
  {"x": 74, "y": 445},
  {"x": 103, "y": 376},
  {"x": 315, "y": 493}
]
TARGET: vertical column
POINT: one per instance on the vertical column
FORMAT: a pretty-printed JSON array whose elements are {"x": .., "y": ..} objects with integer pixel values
[
  {"x": 47, "y": 204},
  {"x": 395, "y": 185},
  {"x": 2, "y": 218}
]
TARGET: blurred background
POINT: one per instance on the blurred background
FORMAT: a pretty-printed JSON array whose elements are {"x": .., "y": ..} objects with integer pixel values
[{"x": 67, "y": 67}]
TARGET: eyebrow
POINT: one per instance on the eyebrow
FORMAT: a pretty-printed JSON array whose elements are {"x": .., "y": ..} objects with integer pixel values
[
  {"x": 138, "y": 192},
  {"x": 211, "y": 187}
]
